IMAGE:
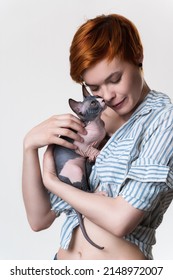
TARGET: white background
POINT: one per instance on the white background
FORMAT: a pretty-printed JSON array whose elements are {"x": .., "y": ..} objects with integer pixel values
[{"x": 35, "y": 37}]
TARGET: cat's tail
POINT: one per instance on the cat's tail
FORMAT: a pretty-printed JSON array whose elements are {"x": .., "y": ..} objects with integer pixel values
[{"x": 81, "y": 224}]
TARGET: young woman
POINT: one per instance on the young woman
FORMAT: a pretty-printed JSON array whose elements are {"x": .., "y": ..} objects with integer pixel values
[{"x": 132, "y": 179}]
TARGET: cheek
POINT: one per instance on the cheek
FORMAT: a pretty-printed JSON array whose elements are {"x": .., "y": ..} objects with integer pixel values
[{"x": 135, "y": 84}]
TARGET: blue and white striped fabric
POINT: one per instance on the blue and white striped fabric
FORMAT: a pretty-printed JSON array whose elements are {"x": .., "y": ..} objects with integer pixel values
[{"x": 137, "y": 164}]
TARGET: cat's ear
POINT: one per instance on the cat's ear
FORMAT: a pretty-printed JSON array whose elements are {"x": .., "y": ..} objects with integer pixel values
[
  {"x": 85, "y": 92},
  {"x": 76, "y": 106}
]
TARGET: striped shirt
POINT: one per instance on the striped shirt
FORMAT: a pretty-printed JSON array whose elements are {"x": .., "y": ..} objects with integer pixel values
[{"x": 137, "y": 164}]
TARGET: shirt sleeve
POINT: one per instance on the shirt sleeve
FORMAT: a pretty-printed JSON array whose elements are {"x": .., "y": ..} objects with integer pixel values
[{"x": 151, "y": 173}]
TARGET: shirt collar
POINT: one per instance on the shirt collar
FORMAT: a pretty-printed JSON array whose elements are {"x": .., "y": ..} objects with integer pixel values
[{"x": 153, "y": 101}]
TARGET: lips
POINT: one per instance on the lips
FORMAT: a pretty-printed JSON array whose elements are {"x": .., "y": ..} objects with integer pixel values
[{"x": 119, "y": 104}]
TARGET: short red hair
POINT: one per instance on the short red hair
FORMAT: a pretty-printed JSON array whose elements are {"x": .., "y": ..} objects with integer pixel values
[{"x": 106, "y": 36}]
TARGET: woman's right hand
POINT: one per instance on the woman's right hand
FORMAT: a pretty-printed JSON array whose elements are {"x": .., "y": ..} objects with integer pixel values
[{"x": 48, "y": 132}]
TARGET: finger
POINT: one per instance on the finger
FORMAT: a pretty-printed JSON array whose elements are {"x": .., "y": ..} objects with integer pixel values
[
  {"x": 69, "y": 133},
  {"x": 70, "y": 121},
  {"x": 49, "y": 151},
  {"x": 62, "y": 142},
  {"x": 72, "y": 125},
  {"x": 68, "y": 117}
]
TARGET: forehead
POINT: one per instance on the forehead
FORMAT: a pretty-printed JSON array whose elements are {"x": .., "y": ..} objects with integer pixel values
[{"x": 103, "y": 69}]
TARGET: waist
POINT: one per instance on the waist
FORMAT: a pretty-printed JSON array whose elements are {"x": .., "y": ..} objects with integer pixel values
[{"x": 114, "y": 247}]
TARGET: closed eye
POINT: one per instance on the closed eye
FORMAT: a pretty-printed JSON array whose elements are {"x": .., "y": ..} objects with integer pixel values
[
  {"x": 113, "y": 78},
  {"x": 115, "y": 81},
  {"x": 94, "y": 88}
]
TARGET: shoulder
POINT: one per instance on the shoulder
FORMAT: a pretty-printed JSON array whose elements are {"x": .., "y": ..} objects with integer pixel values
[
  {"x": 158, "y": 101},
  {"x": 157, "y": 109},
  {"x": 162, "y": 109}
]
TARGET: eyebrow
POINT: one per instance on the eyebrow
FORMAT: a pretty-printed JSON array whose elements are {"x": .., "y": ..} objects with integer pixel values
[{"x": 106, "y": 80}]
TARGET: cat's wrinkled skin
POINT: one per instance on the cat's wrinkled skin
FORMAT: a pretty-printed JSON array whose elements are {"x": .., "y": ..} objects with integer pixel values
[{"x": 73, "y": 166}]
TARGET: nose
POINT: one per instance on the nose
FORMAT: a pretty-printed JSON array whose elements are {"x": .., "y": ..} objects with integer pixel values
[{"x": 107, "y": 93}]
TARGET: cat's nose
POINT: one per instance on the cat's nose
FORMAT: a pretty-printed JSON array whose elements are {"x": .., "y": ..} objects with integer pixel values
[
  {"x": 103, "y": 104},
  {"x": 100, "y": 98}
]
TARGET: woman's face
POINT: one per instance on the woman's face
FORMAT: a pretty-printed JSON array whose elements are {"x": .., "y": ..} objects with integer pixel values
[{"x": 119, "y": 83}]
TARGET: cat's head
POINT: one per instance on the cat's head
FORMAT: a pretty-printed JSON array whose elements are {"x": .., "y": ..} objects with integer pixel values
[{"x": 90, "y": 108}]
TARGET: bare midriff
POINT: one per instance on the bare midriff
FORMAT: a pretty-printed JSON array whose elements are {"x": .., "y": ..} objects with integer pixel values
[{"x": 115, "y": 248}]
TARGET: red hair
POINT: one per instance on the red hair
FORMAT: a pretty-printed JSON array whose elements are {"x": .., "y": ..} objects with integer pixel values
[{"x": 104, "y": 37}]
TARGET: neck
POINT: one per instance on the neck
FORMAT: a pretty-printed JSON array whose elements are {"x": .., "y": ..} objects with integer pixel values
[
  {"x": 145, "y": 91},
  {"x": 97, "y": 120}
]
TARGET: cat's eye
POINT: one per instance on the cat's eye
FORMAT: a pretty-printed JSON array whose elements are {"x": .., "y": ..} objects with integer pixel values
[{"x": 93, "y": 103}]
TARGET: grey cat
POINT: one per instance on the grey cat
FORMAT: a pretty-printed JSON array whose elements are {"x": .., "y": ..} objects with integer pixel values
[{"x": 74, "y": 166}]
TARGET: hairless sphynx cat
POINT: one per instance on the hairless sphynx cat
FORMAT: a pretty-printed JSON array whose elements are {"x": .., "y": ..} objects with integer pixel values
[{"x": 73, "y": 166}]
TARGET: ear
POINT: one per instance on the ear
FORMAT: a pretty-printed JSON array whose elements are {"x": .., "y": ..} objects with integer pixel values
[
  {"x": 75, "y": 106},
  {"x": 85, "y": 92},
  {"x": 140, "y": 61}
]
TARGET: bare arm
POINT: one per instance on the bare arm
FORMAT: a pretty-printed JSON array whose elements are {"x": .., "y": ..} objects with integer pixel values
[
  {"x": 36, "y": 198},
  {"x": 35, "y": 195}
]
